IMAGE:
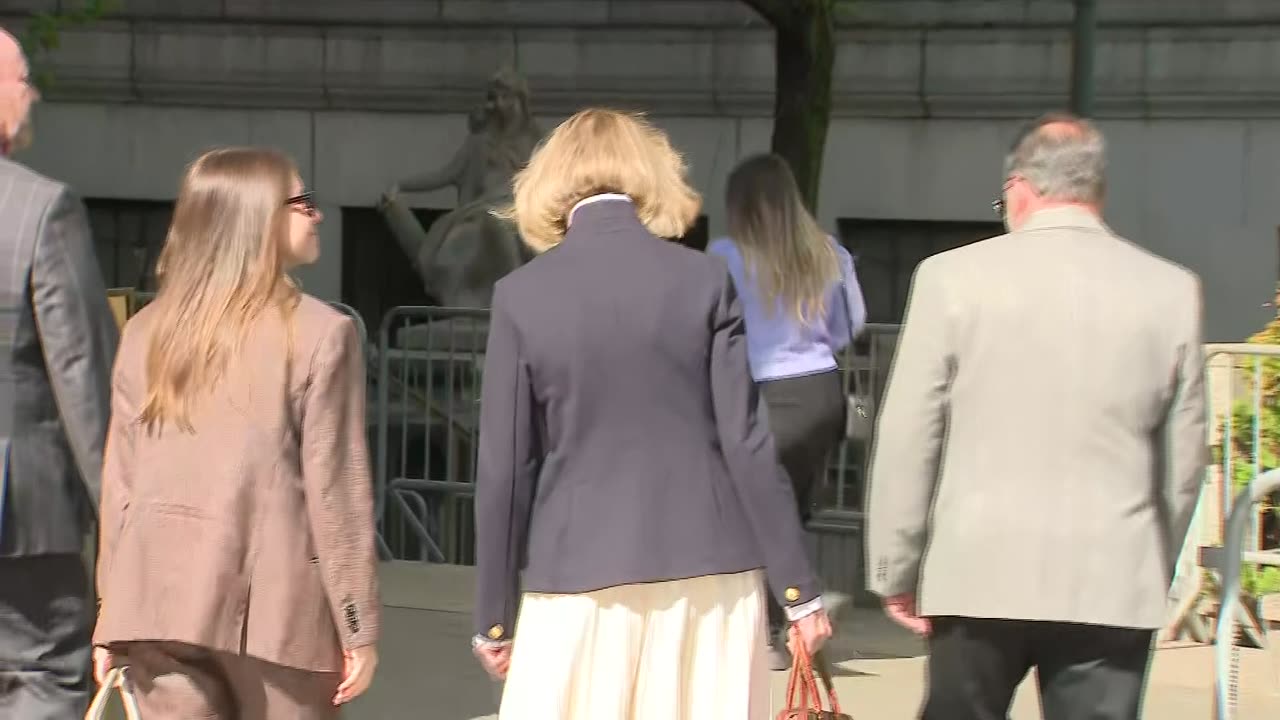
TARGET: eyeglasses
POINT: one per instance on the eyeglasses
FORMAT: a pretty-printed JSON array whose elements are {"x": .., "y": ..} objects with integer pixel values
[
  {"x": 998, "y": 204},
  {"x": 306, "y": 202}
]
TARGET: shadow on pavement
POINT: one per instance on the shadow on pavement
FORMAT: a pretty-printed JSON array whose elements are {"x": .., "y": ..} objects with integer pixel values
[
  {"x": 427, "y": 671},
  {"x": 866, "y": 634}
]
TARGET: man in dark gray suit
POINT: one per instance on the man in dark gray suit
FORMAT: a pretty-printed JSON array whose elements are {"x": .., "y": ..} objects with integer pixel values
[
  {"x": 1041, "y": 448},
  {"x": 57, "y": 341}
]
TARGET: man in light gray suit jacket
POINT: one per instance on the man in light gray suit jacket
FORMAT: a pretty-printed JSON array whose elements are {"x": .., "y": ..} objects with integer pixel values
[
  {"x": 1041, "y": 448},
  {"x": 57, "y": 341}
]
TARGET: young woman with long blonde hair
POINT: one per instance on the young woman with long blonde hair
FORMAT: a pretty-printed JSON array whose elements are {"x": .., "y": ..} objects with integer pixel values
[
  {"x": 802, "y": 304},
  {"x": 236, "y": 561}
]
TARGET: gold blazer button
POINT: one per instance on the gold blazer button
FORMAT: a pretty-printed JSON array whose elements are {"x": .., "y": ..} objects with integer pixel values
[
  {"x": 495, "y": 632},
  {"x": 792, "y": 594}
]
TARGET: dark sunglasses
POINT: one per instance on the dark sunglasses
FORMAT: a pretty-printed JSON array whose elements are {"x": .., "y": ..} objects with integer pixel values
[{"x": 306, "y": 202}]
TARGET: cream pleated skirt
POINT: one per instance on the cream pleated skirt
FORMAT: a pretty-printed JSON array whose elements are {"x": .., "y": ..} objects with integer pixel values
[{"x": 678, "y": 650}]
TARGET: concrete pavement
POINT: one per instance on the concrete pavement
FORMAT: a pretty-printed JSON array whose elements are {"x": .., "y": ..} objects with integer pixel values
[{"x": 427, "y": 671}]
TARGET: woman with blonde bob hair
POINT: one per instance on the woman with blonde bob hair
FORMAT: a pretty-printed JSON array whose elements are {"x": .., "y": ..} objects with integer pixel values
[
  {"x": 627, "y": 484},
  {"x": 236, "y": 563},
  {"x": 802, "y": 306},
  {"x": 597, "y": 150}
]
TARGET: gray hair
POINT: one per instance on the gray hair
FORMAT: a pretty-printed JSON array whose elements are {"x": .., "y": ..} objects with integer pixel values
[{"x": 1063, "y": 157}]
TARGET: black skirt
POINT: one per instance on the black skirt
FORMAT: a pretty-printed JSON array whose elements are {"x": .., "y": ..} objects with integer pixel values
[{"x": 806, "y": 414}]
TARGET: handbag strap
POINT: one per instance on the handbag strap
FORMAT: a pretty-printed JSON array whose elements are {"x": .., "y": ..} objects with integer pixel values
[
  {"x": 116, "y": 679},
  {"x": 797, "y": 690},
  {"x": 819, "y": 662},
  {"x": 803, "y": 686}
]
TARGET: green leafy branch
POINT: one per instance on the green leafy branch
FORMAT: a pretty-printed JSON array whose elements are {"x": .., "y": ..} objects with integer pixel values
[{"x": 44, "y": 33}]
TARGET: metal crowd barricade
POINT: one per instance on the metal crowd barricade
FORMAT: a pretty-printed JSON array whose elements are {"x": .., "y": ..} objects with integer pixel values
[
  {"x": 361, "y": 328},
  {"x": 870, "y": 358},
  {"x": 1226, "y": 655},
  {"x": 835, "y": 537},
  {"x": 428, "y": 378},
  {"x": 429, "y": 362},
  {"x": 1238, "y": 378}
]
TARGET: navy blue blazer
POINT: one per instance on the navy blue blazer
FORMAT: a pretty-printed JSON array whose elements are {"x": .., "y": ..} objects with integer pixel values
[{"x": 622, "y": 439}]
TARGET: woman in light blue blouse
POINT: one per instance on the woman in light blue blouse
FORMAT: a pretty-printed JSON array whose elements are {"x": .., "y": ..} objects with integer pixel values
[{"x": 802, "y": 305}]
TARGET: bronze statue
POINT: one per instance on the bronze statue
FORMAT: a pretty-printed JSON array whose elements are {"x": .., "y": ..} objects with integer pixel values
[{"x": 468, "y": 249}]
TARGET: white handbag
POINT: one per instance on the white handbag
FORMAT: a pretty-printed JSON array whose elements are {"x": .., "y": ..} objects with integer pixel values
[
  {"x": 859, "y": 416},
  {"x": 117, "y": 679}
]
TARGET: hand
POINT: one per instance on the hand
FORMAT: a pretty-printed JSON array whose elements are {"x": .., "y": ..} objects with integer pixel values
[
  {"x": 902, "y": 610},
  {"x": 495, "y": 658},
  {"x": 812, "y": 631},
  {"x": 357, "y": 673},
  {"x": 102, "y": 661}
]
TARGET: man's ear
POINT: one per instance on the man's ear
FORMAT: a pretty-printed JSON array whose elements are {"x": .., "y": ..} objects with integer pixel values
[{"x": 10, "y": 114}]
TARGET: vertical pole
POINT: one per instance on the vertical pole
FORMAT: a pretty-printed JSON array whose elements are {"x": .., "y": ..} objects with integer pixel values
[
  {"x": 1255, "y": 519},
  {"x": 1082, "y": 50}
]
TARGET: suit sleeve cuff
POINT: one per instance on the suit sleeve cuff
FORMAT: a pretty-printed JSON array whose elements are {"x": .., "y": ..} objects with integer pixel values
[
  {"x": 900, "y": 584},
  {"x": 496, "y": 632},
  {"x": 796, "y": 612},
  {"x": 480, "y": 641},
  {"x": 362, "y": 628}
]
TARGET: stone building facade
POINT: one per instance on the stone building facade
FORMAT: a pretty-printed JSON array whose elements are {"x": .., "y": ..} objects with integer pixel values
[{"x": 927, "y": 96}]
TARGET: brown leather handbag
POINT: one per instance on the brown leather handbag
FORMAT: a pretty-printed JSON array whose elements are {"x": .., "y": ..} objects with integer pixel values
[{"x": 804, "y": 699}]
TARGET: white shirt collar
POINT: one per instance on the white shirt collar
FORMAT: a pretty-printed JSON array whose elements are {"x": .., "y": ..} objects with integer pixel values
[{"x": 595, "y": 199}]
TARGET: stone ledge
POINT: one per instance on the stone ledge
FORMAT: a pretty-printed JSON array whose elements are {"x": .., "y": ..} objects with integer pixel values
[
  {"x": 984, "y": 72},
  {"x": 687, "y": 13},
  {"x": 1049, "y": 13}
]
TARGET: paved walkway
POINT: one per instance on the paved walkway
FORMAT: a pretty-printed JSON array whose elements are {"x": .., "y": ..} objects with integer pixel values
[{"x": 427, "y": 670}]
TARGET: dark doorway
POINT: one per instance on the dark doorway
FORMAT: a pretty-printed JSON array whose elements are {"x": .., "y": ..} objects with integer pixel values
[
  {"x": 376, "y": 274},
  {"x": 127, "y": 236},
  {"x": 888, "y": 251}
]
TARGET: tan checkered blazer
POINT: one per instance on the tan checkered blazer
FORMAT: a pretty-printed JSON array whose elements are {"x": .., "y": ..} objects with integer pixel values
[{"x": 253, "y": 534}]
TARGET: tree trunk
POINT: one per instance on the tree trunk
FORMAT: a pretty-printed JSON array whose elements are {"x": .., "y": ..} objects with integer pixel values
[{"x": 805, "y": 57}]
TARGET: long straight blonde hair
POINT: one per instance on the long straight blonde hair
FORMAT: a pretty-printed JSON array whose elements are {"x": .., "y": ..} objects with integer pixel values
[
  {"x": 222, "y": 265},
  {"x": 782, "y": 246}
]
